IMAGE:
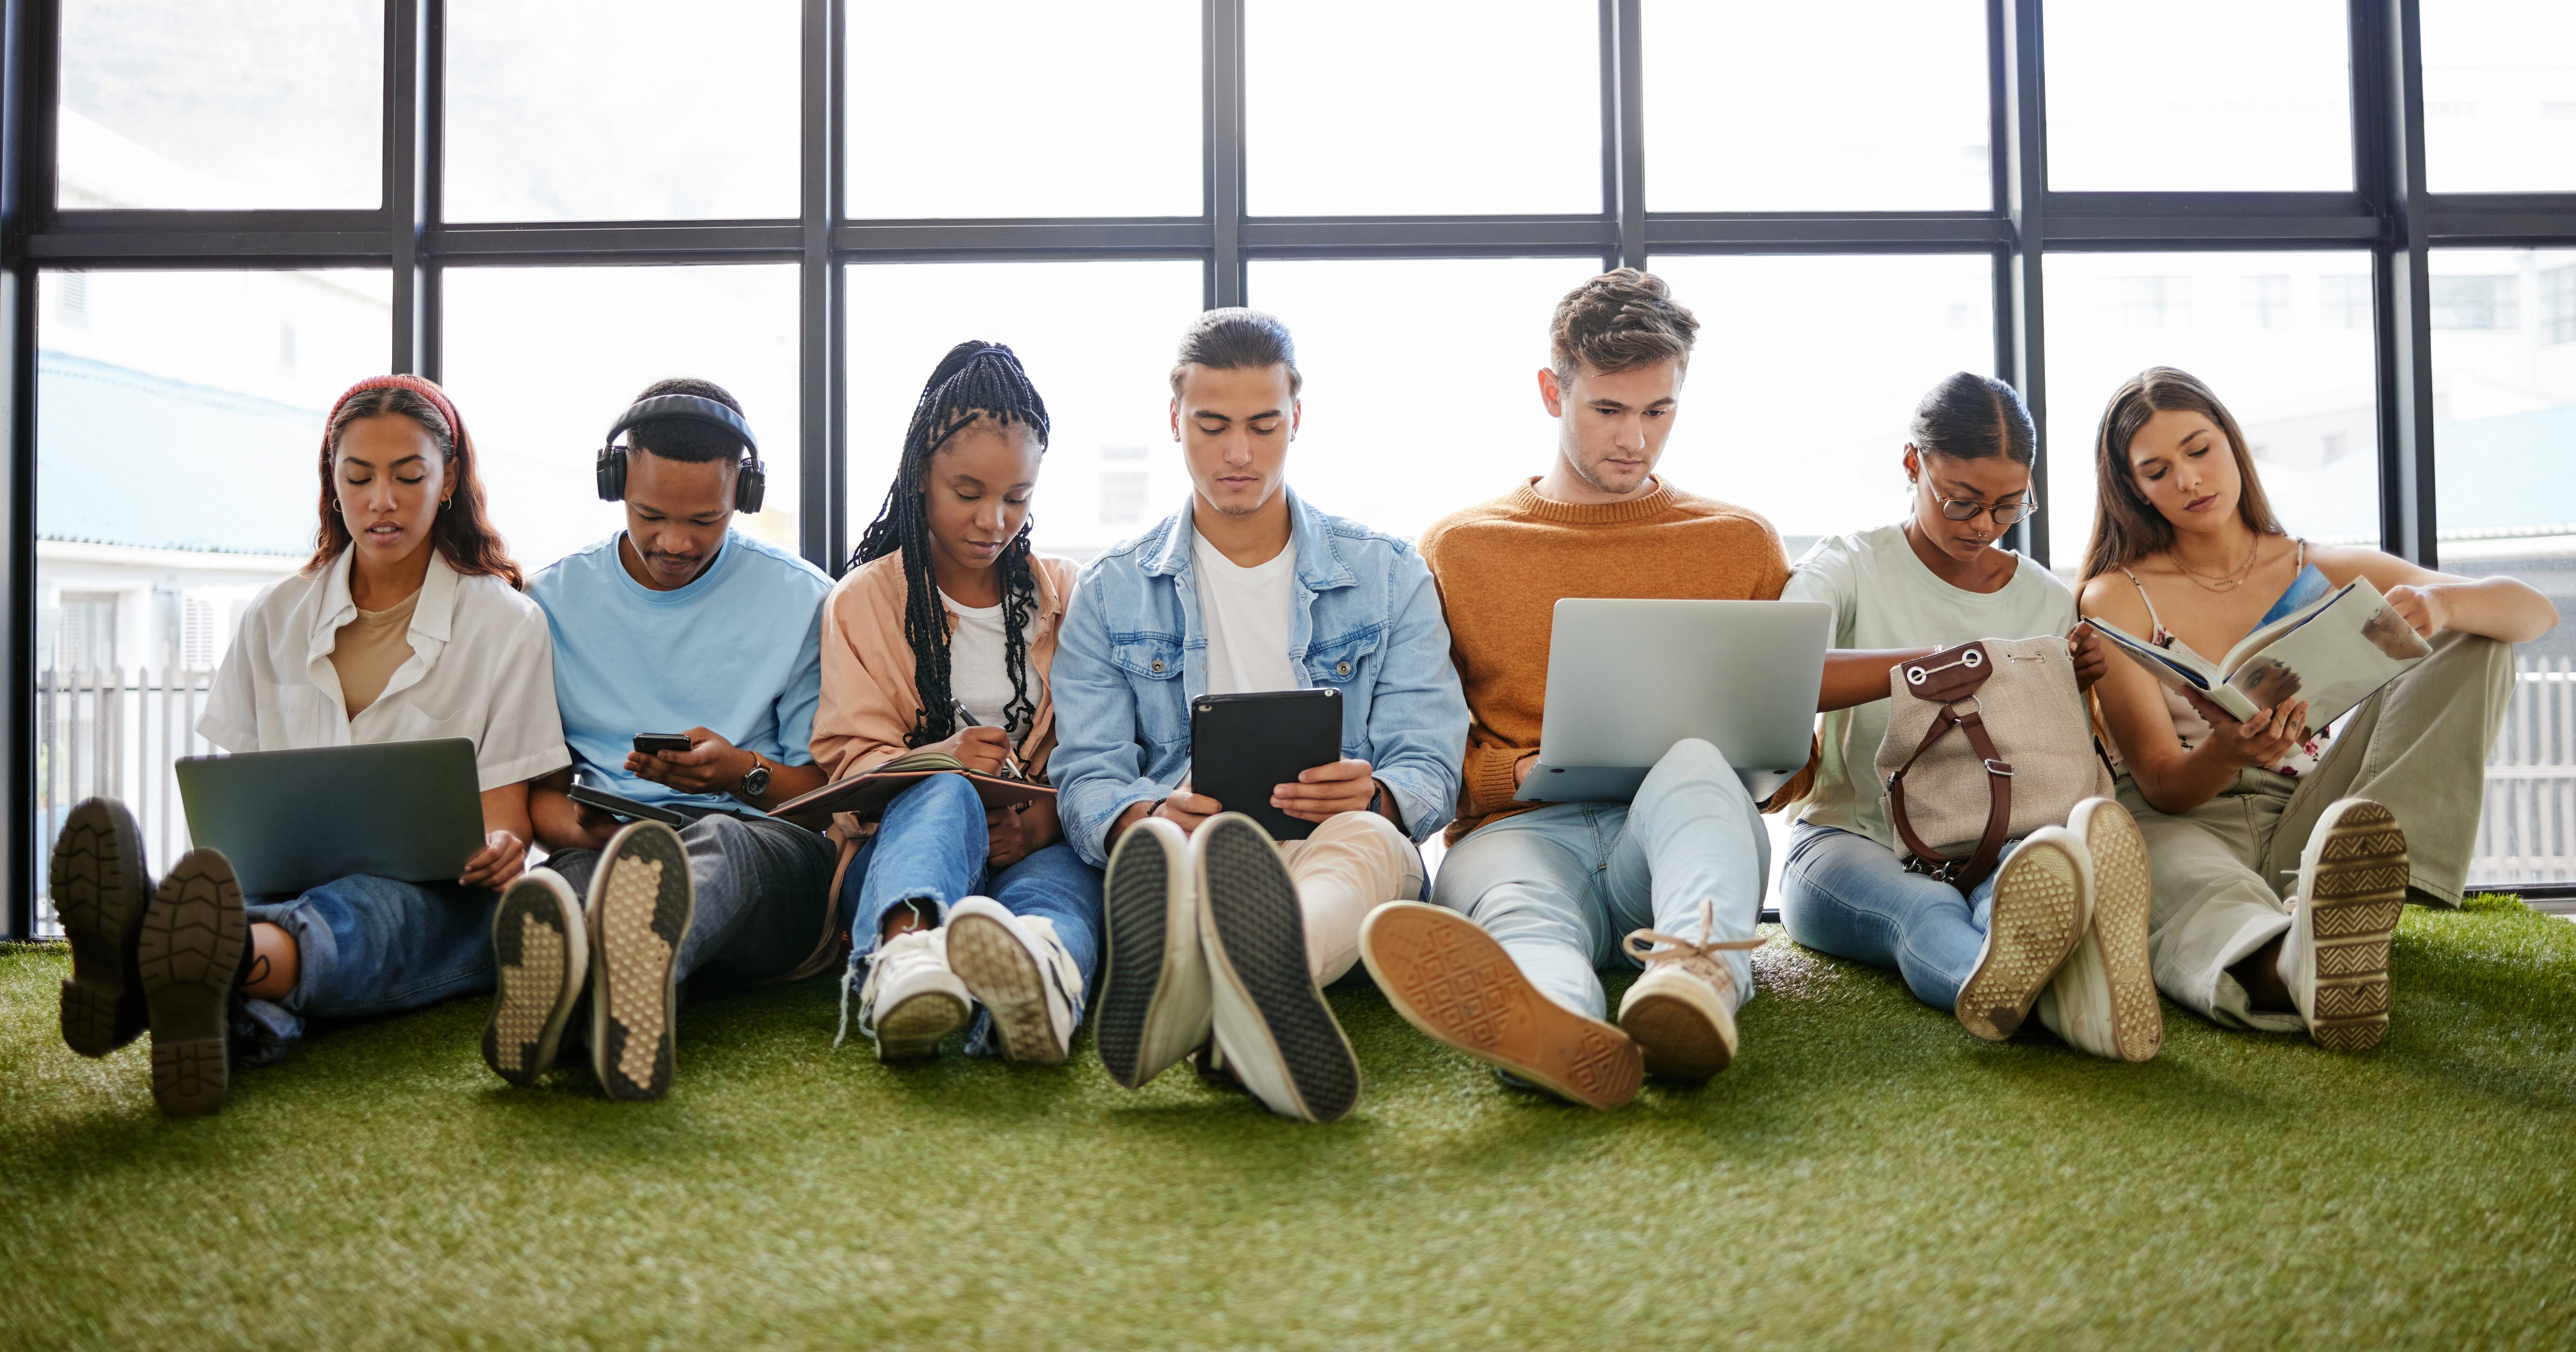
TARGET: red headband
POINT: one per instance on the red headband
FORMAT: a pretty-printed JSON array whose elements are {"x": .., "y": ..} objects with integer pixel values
[{"x": 426, "y": 389}]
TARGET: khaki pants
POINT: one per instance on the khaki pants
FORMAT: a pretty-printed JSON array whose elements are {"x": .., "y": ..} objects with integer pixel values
[
  {"x": 2418, "y": 747},
  {"x": 1353, "y": 864}
]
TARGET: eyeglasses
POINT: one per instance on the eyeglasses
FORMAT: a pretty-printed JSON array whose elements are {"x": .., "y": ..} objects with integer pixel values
[{"x": 1963, "y": 509}]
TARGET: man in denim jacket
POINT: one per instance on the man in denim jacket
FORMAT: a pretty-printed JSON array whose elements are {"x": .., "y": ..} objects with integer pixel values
[{"x": 1215, "y": 931}]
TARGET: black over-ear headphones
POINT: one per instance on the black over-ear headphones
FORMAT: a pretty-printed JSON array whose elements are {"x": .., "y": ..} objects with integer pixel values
[{"x": 748, "y": 485}]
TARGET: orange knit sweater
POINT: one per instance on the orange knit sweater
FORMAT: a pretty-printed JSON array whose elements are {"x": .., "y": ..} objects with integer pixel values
[{"x": 1503, "y": 565}]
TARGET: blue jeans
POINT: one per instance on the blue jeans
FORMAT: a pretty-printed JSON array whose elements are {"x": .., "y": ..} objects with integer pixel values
[
  {"x": 931, "y": 848},
  {"x": 1560, "y": 886},
  {"x": 1848, "y": 895},
  {"x": 367, "y": 945}
]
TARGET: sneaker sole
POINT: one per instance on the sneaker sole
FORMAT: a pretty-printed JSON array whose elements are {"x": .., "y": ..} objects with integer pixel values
[
  {"x": 189, "y": 952},
  {"x": 542, "y": 957},
  {"x": 99, "y": 889},
  {"x": 646, "y": 904},
  {"x": 1003, "y": 976},
  {"x": 1257, "y": 944},
  {"x": 2359, "y": 893},
  {"x": 1137, "y": 927},
  {"x": 1450, "y": 979},
  {"x": 913, "y": 1029},
  {"x": 1676, "y": 1038},
  {"x": 2122, "y": 896},
  {"x": 2029, "y": 938}
]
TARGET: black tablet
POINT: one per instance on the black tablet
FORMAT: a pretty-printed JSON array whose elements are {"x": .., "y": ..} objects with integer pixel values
[
  {"x": 624, "y": 808},
  {"x": 1243, "y": 746}
]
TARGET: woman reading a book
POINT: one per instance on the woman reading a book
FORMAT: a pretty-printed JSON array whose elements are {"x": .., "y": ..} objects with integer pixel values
[
  {"x": 2282, "y": 854},
  {"x": 2054, "y": 928},
  {"x": 936, "y": 647}
]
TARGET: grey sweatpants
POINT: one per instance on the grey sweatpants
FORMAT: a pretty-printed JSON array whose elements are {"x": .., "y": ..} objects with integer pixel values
[
  {"x": 762, "y": 889},
  {"x": 2418, "y": 748}
]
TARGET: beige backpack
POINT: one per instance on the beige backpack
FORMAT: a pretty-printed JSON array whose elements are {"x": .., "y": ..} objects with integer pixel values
[{"x": 1986, "y": 742}]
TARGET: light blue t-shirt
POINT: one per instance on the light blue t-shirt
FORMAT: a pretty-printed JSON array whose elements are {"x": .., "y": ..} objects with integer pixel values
[{"x": 739, "y": 650}]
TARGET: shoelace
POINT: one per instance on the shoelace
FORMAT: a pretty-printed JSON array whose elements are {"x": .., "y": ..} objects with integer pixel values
[
  {"x": 850, "y": 976},
  {"x": 1641, "y": 944}
]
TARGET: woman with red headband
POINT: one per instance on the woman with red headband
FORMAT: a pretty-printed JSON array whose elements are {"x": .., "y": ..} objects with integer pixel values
[{"x": 407, "y": 625}]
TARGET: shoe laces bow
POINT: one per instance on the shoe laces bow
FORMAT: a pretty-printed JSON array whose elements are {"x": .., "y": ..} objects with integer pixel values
[{"x": 1643, "y": 946}]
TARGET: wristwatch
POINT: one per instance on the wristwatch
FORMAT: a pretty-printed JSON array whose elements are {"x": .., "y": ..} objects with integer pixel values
[{"x": 755, "y": 782}]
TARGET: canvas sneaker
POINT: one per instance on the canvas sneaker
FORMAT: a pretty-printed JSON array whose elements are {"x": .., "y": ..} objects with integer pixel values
[
  {"x": 2351, "y": 891},
  {"x": 1268, "y": 1017},
  {"x": 99, "y": 890},
  {"x": 642, "y": 902},
  {"x": 190, "y": 957},
  {"x": 1016, "y": 966},
  {"x": 1154, "y": 997},
  {"x": 2041, "y": 904},
  {"x": 1450, "y": 979},
  {"x": 2103, "y": 1000},
  {"x": 541, "y": 953},
  {"x": 1681, "y": 1013},
  {"x": 912, "y": 1001}
]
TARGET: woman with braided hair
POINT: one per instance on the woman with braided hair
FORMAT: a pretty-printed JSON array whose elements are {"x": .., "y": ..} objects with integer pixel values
[{"x": 940, "y": 638}]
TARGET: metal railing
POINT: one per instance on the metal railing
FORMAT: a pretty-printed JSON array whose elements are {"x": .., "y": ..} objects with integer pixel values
[
  {"x": 2527, "y": 829},
  {"x": 116, "y": 734}
]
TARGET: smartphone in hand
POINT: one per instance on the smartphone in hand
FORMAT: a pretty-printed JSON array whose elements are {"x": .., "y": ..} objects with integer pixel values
[{"x": 650, "y": 742}]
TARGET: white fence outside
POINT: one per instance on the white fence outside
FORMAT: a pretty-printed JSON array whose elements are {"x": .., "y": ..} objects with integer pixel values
[{"x": 117, "y": 733}]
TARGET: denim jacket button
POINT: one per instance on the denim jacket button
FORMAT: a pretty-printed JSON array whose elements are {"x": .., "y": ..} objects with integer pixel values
[
  {"x": 1157, "y": 666},
  {"x": 1342, "y": 669}
]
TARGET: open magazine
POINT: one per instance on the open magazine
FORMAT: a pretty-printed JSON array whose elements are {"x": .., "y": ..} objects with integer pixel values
[
  {"x": 868, "y": 794},
  {"x": 2333, "y": 654}
]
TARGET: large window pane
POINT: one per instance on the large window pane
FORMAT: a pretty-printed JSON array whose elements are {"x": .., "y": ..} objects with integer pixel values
[
  {"x": 1097, "y": 339},
  {"x": 1873, "y": 106},
  {"x": 600, "y": 110},
  {"x": 221, "y": 104},
  {"x": 178, "y": 419},
  {"x": 1422, "y": 108},
  {"x": 1406, "y": 421},
  {"x": 1057, "y": 111},
  {"x": 2499, "y": 95},
  {"x": 542, "y": 360},
  {"x": 2504, "y": 409},
  {"x": 2283, "y": 338},
  {"x": 2206, "y": 95},
  {"x": 1816, "y": 445}
]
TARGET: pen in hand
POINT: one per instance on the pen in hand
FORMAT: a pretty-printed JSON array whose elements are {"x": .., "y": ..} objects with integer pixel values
[{"x": 1010, "y": 763}]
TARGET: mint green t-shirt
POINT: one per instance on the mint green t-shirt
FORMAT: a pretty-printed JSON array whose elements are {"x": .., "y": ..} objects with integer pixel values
[{"x": 1884, "y": 597}]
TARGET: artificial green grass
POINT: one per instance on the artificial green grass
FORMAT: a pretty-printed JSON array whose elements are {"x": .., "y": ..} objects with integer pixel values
[{"x": 1866, "y": 1175}]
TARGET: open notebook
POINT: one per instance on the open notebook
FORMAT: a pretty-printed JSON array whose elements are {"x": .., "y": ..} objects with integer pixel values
[
  {"x": 2334, "y": 654},
  {"x": 868, "y": 794}
]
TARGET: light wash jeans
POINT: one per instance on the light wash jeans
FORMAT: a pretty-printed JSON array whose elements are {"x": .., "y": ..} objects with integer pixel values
[
  {"x": 1560, "y": 886},
  {"x": 1846, "y": 894},
  {"x": 368, "y": 945},
  {"x": 931, "y": 847}
]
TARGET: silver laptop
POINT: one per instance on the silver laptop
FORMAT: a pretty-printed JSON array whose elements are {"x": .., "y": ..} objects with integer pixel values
[
  {"x": 289, "y": 821},
  {"x": 1627, "y": 679}
]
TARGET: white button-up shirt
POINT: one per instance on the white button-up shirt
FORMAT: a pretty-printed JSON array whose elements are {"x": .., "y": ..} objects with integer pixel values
[{"x": 481, "y": 668}]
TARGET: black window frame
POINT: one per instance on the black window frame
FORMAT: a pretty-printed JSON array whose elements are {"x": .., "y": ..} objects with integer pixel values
[{"x": 2388, "y": 212}]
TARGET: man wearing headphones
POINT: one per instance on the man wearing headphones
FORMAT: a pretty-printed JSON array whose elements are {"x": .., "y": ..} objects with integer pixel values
[{"x": 675, "y": 627}]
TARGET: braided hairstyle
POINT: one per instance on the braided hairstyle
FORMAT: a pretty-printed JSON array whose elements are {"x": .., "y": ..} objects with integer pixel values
[{"x": 976, "y": 380}]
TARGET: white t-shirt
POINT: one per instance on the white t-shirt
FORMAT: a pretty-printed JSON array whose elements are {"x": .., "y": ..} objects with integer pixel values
[
  {"x": 1245, "y": 612},
  {"x": 481, "y": 667},
  {"x": 1884, "y": 597},
  {"x": 978, "y": 663}
]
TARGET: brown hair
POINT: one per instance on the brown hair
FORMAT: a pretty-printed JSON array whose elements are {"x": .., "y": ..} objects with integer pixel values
[
  {"x": 1237, "y": 339},
  {"x": 2126, "y": 527},
  {"x": 460, "y": 533},
  {"x": 1618, "y": 321}
]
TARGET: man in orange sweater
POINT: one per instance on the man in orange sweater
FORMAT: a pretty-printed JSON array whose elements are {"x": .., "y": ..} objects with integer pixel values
[{"x": 1532, "y": 900}]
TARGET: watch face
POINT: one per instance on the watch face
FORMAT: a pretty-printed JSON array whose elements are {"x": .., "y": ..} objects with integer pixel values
[{"x": 757, "y": 782}]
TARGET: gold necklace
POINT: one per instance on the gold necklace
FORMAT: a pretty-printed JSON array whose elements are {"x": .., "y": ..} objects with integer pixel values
[{"x": 2226, "y": 583}]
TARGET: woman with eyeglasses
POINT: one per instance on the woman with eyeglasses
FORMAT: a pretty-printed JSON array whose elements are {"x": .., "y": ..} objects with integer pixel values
[
  {"x": 2046, "y": 929},
  {"x": 2283, "y": 855}
]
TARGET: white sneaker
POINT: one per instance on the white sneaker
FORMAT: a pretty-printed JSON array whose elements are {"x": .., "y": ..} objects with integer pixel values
[
  {"x": 1681, "y": 1013},
  {"x": 1154, "y": 981},
  {"x": 2103, "y": 1000},
  {"x": 911, "y": 1001},
  {"x": 2042, "y": 901},
  {"x": 1271, "y": 1024},
  {"x": 1018, "y": 969},
  {"x": 2351, "y": 891}
]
